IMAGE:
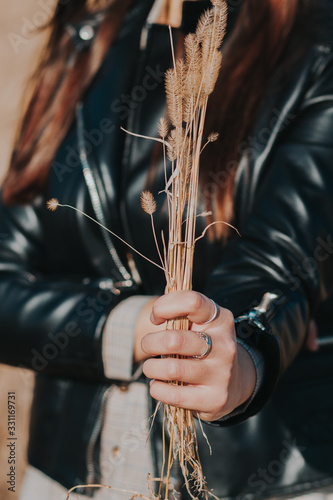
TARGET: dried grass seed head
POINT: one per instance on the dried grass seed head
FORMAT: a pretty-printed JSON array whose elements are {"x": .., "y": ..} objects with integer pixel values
[
  {"x": 204, "y": 25},
  {"x": 188, "y": 108},
  {"x": 211, "y": 72},
  {"x": 174, "y": 99},
  {"x": 52, "y": 204},
  {"x": 212, "y": 25},
  {"x": 191, "y": 50},
  {"x": 221, "y": 24},
  {"x": 174, "y": 143},
  {"x": 163, "y": 128},
  {"x": 213, "y": 136},
  {"x": 148, "y": 202}
]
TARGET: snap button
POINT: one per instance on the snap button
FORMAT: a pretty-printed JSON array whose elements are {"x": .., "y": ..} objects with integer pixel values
[
  {"x": 123, "y": 388},
  {"x": 86, "y": 32}
]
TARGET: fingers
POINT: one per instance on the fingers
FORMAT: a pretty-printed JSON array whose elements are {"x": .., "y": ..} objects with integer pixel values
[
  {"x": 200, "y": 399},
  {"x": 187, "y": 343},
  {"x": 198, "y": 308},
  {"x": 189, "y": 371},
  {"x": 208, "y": 384},
  {"x": 311, "y": 341}
]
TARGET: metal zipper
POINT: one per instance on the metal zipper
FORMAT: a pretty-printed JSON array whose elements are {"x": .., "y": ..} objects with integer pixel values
[
  {"x": 265, "y": 302},
  {"x": 94, "y": 435},
  {"x": 151, "y": 19},
  {"x": 325, "y": 341},
  {"x": 127, "y": 281}
]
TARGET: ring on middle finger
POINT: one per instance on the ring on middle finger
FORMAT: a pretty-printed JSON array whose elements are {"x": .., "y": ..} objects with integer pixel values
[{"x": 208, "y": 340}]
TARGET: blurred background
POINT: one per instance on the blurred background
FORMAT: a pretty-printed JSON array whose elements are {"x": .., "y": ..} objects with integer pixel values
[{"x": 21, "y": 41}]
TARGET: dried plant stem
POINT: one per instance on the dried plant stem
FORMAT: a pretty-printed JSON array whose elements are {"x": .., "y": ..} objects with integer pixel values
[
  {"x": 170, "y": 457},
  {"x": 113, "y": 234},
  {"x": 188, "y": 86},
  {"x": 156, "y": 242}
]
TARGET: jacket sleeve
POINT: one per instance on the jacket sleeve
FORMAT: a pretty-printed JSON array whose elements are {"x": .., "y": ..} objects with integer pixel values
[
  {"x": 285, "y": 253},
  {"x": 49, "y": 324}
]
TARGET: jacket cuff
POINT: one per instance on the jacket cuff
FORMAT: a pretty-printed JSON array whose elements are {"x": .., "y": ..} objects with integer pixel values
[
  {"x": 118, "y": 339},
  {"x": 253, "y": 330},
  {"x": 259, "y": 364}
]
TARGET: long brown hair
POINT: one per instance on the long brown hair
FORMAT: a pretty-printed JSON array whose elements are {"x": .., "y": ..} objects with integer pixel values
[
  {"x": 253, "y": 51},
  {"x": 59, "y": 83}
]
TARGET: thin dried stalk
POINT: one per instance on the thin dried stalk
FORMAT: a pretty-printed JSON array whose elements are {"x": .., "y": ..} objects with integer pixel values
[{"x": 188, "y": 86}]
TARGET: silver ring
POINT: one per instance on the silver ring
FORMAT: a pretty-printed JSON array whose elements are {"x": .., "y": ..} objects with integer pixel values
[
  {"x": 213, "y": 316},
  {"x": 208, "y": 340}
]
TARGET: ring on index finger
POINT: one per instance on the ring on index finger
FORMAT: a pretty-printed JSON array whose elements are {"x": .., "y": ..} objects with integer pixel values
[{"x": 208, "y": 340}]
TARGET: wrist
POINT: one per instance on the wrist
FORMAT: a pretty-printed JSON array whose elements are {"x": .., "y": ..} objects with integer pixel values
[
  {"x": 143, "y": 326},
  {"x": 247, "y": 374}
]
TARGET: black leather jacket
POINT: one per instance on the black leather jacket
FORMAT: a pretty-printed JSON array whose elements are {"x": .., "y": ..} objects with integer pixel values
[{"x": 61, "y": 275}]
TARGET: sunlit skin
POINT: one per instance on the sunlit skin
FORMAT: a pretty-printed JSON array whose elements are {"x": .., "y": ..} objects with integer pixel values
[{"x": 215, "y": 385}]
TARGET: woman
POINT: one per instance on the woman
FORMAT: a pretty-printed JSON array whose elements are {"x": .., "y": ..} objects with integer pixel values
[{"x": 80, "y": 310}]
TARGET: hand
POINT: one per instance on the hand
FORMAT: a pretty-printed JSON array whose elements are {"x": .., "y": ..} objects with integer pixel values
[
  {"x": 215, "y": 385},
  {"x": 144, "y": 325},
  {"x": 311, "y": 341}
]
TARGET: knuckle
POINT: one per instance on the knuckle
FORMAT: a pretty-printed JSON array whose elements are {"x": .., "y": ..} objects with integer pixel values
[
  {"x": 173, "y": 370},
  {"x": 196, "y": 301},
  {"x": 207, "y": 417},
  {"x": 231, "y": 350},
  {"x": 155, "y": 309},
  {"x": 215, "y": 410},
  {"x": 228, "y": 318},
  {"x": 176, "y": 398},
  {"x": 220, "y": 402},
  {"x": 174, "y": 342},
  {"x": 226, "y": 378}
]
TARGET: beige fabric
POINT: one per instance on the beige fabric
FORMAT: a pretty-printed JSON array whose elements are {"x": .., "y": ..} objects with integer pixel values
[
  {"x": 118, "y": 339},
  {"x": 125, "y": 450},
  {"x": 125, "y": 456}
]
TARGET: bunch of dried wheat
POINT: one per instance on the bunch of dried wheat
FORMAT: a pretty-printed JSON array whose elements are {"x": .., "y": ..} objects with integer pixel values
[{"x": 188, "y": 86}]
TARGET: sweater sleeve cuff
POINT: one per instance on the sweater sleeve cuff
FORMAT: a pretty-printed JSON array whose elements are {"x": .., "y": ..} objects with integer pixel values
[{"x": 118, "y": 339}]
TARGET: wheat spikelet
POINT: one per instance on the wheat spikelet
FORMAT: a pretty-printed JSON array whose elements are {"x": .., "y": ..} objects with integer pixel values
[
  {"x": 52, "y": 204},
  {"x": 220, "y": 25},
  {"x": 173, "y": 94},
  {"x": 148, "y": 204},
  {"x": 212, "y": 26},
  {"x": 213, "y": 136},
  {"x": 176, "y": 138},
  {"x": 191, "y": 50},
  {"x": 163, "y": 128},
  {"x": 188, "y": 108},
  {"x": 171, "y": 146},
  {"x": 180, "y": 72},
  {"x": 204, "y": 25},
  {"x": 192, "y": 81},
  {"x": 188, "y": 86},
  {"x": 211, "y": 72}
]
